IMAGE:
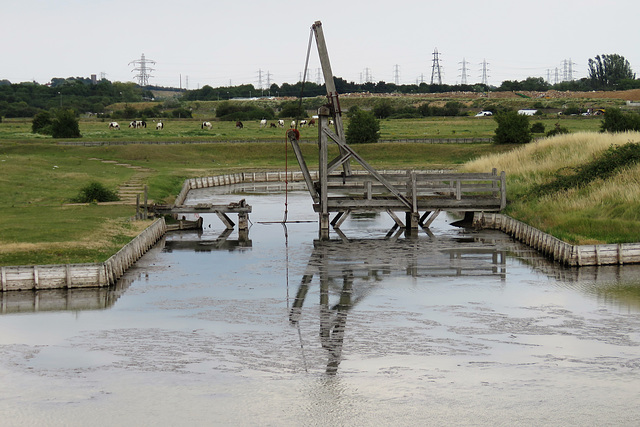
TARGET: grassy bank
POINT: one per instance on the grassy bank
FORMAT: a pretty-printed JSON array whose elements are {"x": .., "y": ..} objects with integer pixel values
[
  {"x": 38, "y": 180},
  {"x": 595, "y": 211}
]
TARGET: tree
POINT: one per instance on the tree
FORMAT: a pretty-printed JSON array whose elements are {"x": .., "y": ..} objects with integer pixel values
[
  {"x": 606, "y": 71},
  {"x": 42, "y": 123},
  {"x": 65, "y": 125},
  {"x": 363, "y": 128},
  {"x": 618, "y": 121},
  {"x": 383, "y": 109},
  {"x": 513, "y": 128}
]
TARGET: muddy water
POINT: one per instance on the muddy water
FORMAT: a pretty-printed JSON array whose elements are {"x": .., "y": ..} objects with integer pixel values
[{"x": 275, "y": 328}]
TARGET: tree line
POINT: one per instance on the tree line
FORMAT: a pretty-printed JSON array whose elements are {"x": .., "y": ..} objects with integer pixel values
[{"x": 606, "y": 72}]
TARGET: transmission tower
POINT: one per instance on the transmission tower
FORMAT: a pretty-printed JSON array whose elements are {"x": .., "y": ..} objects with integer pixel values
[
  {"x": 436, "y": 72},
  {"x": 463, "y": 76},
  {"x": 268, "y": 79},
  {"x": 259, "y": 78},
  {"x": 396, "y": 74},
  {"x": 485, "y": 74},
  {"x": 568, "y": 64},
  {"x": 368, "y": 77},
  {"x": 141, "y": 66}
]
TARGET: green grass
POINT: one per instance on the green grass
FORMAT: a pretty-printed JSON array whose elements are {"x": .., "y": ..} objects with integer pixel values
[
  {"x": 602, "y": 207},
  {"x": 38, "y": 177},
  {"x": 95, "y": 130}
]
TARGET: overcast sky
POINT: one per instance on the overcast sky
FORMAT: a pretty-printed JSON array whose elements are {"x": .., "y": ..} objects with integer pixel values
[{"x": 219, "y": 43}]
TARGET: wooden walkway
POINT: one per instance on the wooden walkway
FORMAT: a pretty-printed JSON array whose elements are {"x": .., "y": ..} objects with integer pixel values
[
  {"x": 241, "y": 208},
  {"x": 420, "y": 195}
]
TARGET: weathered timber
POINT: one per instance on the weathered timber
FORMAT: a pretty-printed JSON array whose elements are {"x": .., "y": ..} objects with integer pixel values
[
  {"x": 56, "y": 276},
  {"x": 558, "y": 250}
]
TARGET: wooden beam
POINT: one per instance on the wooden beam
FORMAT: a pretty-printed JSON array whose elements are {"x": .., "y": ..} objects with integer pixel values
[
  {"x": 368, "y": 167},
  {"x": 303, "y": 166}
]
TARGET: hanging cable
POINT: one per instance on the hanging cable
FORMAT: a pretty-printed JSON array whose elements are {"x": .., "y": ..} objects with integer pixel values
[{"x": 297, "y": 121}]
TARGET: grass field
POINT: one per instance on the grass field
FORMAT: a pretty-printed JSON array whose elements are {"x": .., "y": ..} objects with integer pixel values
[
  {"x": 189, "y": 130},
  {"x": 38, "y": 177}
]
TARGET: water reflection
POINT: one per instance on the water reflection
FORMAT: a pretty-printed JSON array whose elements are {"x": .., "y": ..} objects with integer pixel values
[
  {"x": 47, "y": 300},
  {"x": 349, "y": 270},
  {"x": 199, "y": 242}
]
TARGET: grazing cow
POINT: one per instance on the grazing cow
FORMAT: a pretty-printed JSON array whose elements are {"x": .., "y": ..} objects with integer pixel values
[
  {"x": 205, "y": 125},
  {"x": 312, "y": 122},
  {"x": 302, "y": 123},
  {"x": 263, "y": 123},
  {"x": 272, "y": 125},
  {"x": 293, "y": 124},
  {"x": 138, "y": 124},
  {"x": 330, "y": 122},
  {"x": 239, "y": 124},
  {"x": 281, "y": 123},
  {"x": 114, "y": 125},
  {"x": 159, "y": 126}
]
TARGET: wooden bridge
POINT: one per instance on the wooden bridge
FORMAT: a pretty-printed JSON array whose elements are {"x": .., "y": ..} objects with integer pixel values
[
  {"x": 241, "y": 208},
  {"x": 421, "y": 196}
]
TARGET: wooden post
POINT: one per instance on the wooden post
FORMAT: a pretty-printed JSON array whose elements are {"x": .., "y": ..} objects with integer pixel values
[
  {"x": 323, "y": 157},
  {"x": 412, "y": 217},
  {"x": 503, "y": 190},
  {"x": 146, "y": 207}
]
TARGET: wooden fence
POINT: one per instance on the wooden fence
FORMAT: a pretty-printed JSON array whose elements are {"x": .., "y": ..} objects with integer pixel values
[
  {"x": 82, "y": 275},
  {"x": 558, "y": 250}
]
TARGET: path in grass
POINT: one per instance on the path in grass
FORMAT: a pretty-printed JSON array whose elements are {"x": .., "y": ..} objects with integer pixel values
[{"x": 129, "y": 190}]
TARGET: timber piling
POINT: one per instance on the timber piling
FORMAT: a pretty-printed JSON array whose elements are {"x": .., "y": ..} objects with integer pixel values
[{"x": 556, "y": 249}]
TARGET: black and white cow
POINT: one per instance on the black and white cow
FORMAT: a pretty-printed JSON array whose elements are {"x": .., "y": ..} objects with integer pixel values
[{"x": 138, "y": 124}]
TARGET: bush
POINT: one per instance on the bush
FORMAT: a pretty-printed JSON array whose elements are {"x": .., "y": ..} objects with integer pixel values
[
  {"x": 181, "y": 113},
  {"x": 537, "y": 127},
  {"x": 558, "y": 130},
  {"x": 363, "y": 127},
  {"x": 42, "y": 123},
  {"x": 513, "y": 128},
  {"x": 291, "y": 109},
  {"x": 613, "y": 160},
  {"x": 96, "y": 192},
  {"x": 618, "y": 121},
  {"x": 383, "y": 109},
  {"x": 65, "y": 125}
]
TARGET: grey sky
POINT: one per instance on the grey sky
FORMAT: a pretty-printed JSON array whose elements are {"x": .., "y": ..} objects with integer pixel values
[{"x": 220, "y": 43}]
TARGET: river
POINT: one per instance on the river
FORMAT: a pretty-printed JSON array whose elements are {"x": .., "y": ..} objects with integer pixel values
[{"x": 276, "y": 328}]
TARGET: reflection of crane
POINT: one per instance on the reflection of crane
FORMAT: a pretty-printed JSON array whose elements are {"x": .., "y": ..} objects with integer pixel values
[{"x": 351, "y": 269}]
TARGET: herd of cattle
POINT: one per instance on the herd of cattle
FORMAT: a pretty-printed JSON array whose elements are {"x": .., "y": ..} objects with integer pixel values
[{"x": 137, "y": 124}]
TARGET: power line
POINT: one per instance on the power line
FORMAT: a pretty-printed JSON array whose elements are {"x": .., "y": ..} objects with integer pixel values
[
  {"x": 463, "y": 76},
  {"x": 485, "y": 75},
  {"x": 140, "y": 65},
  {"x": 436, "y": 72}
]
